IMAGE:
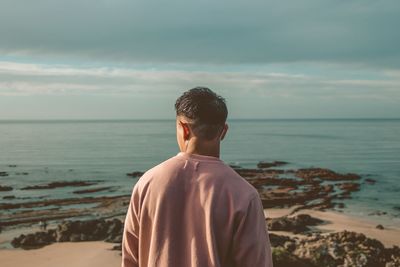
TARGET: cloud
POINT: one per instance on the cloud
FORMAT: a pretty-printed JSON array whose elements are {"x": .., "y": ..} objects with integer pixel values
[
  {"x": 217, "y": 32},
  {"x": 23, "y": 79}
]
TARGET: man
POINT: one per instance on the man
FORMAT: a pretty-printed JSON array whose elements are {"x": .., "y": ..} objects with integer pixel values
[{"x": 193, "y": 210}]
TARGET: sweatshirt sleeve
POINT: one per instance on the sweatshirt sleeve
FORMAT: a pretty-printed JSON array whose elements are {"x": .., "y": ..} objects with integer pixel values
[
  {"x": 251, "y": 244},
  {"x": 130, "y": 237}
]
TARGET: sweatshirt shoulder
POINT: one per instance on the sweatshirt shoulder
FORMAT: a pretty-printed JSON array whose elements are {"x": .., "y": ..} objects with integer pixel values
[
  {"x": 238, "y": 183},
  {"x": 164, "y": 168}
]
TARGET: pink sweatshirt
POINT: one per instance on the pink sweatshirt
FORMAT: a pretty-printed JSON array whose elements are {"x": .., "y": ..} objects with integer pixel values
[{"x": 195, "y": 211}]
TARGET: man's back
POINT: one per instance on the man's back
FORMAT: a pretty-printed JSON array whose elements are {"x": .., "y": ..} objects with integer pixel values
[{"x": 193, "y": 210}]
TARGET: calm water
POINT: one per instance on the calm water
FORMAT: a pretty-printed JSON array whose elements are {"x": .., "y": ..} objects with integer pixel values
[{"x": 107, "y": 150}]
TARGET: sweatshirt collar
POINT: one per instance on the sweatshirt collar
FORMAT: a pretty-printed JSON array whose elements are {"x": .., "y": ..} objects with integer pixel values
[{"x": 198, "y": 157}]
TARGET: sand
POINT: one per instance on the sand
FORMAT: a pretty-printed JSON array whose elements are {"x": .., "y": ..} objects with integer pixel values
[
  {"x": 68, "y": 254},
  {"x": 98, "y": 254}
]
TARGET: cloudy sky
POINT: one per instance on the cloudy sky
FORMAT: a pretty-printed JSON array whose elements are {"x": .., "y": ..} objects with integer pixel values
[{"x": 128, "y": 59}]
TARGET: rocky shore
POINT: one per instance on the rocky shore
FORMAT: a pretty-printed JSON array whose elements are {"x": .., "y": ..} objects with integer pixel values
[
  {"x": 314, "y": 249},
  {"x": 296, "y": 238},
  {"x": 73, "y": 231},
  {"x": 308, "y": 187},
  {"x": 317, "y": 188},
  {"x": 332, "y": 250}
]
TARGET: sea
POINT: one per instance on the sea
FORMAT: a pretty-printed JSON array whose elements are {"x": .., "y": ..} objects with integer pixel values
[{"x": 40, "y": 152}]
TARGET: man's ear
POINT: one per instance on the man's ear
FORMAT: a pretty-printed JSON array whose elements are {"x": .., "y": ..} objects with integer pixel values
[
  {"x": 186, "y": 130},
  {"x": 226, "y": 127}
]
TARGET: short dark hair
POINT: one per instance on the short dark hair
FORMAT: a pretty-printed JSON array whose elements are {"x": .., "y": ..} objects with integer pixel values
[{"x": 206, "y": 110}]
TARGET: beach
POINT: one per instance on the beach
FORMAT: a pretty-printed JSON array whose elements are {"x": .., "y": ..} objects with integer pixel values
[
  {"x": 303, "y": 209},
  {"x": 99, "y": 254}
]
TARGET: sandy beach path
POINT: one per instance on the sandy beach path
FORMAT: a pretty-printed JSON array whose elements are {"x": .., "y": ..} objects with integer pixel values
[{"x": 79, "y": 254}]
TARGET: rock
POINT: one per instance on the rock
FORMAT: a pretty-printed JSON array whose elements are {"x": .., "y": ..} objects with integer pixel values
[
  {"x": 296, "y": 224},
  {"x": 74, "y": 231},
  {"x": 75, "y": 237},
  {"x": 393, "y": 259},
  {"x": 265, "y": 164},
  {"x": 114, "y": 239},
  {"x": 278, "y": 240},
  {"x": 283, "y": 258},
  {"x": 248, "y": 173},
  {"x": 349, "y": 187},
  {"x": 307, "y": 219},
  {"x": 370, "y": 181},
  {"x": 378, "y": 213},
  {"x": 322, "y": 257},
  {"x": 93, "y": 190},
  {"x": 59, "y": 184},
  {"x": 324, "y": 174},
  {"x": 36, "y": 240},
  {"x": 340, "y": 205},
  {"x": 135, "y": 174},
  {"x": 344, "y": 249},
  {"x": 233, "y": 166},
  {"x": 327, "y": 188},
  {"x": 289, "y": 246},
  {"x": 114, "y": 227},
  {"x": 307, "y": 187},
  {"x": 380, "y": 227},
  {"x": 332, "y": 249},
  {"x": 117, "y": 247},
  {"x": 5, "y": 188}
]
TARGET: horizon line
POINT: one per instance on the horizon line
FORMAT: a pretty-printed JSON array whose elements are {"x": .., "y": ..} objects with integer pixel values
[{"x": 172, "y": 119}]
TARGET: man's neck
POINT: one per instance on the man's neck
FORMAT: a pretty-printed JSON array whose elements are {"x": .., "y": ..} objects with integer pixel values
[{"x": 203, "y": 148}]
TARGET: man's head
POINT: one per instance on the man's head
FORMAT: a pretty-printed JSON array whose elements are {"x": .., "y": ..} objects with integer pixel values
[{"x": 201, "y": 114}]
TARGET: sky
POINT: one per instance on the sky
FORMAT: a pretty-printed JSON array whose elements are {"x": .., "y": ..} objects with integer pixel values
[{"x": 128, "y": 59}]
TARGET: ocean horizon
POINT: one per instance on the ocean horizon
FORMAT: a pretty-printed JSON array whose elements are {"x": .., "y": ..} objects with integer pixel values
[{"x": 173, "y": 119}]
